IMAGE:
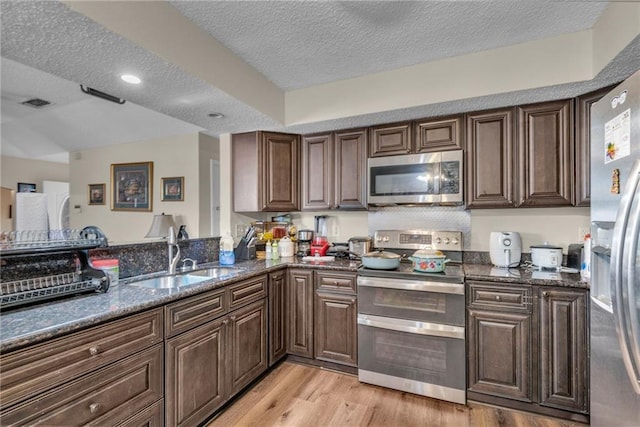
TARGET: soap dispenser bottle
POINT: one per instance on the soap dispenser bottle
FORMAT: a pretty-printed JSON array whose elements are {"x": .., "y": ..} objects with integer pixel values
[{"x": 227, "y": 256}]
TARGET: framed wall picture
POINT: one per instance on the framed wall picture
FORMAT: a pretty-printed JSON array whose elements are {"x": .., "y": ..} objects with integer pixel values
[
  {"x": 96, "y": 194},
  {"x": 131, "y": 186},
  {"x": 25, "y": 187},
  {"x": 173, "y": 189}
]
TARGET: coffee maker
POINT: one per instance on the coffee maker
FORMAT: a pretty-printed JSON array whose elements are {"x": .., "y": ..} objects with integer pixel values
[{"x": 304, "y": 242}]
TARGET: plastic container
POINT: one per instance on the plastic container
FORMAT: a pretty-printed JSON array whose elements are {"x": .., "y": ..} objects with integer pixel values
[
  {"x": 111, "y": 266},
  {"x": 275, "y": 252},
  {"x": 267, "y": 250},
  {"x": 227, "y": 256},
  {"x": 286, "y": 247}
]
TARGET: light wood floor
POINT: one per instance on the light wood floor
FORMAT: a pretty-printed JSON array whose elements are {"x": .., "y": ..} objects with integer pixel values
[{"x": 301, "y": 396}]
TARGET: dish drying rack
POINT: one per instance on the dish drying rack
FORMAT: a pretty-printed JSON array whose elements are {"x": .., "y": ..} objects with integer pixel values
[{"x": 22, "y": 291}]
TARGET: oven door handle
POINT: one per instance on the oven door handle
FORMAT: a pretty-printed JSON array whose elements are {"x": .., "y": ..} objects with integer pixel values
[
  {"x": 412, "y": 285},
  {"x": 412, "y": 326}
]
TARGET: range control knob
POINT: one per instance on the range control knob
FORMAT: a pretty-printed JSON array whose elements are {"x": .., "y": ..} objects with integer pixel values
[
  {"x": 438, "y": 240},
  {"x": 446, "y": 240},
  {"x": 455, "y": 241}
]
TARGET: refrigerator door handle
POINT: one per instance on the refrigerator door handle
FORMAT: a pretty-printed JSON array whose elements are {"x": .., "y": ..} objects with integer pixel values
[{"x": 623, "y": 251}]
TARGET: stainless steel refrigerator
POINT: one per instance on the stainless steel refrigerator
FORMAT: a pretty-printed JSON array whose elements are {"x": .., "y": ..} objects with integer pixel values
[{"x": 615, "y": 257}]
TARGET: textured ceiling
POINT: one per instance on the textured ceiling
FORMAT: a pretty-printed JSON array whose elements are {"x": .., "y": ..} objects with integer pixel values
[
  {"x": 299, "y": 44},
  {"x": 48, "y": 49}
]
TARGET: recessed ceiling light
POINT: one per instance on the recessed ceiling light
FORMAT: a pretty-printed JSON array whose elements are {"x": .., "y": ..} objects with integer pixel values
[
  {"x": 130, "y": 78},
  {"x": 216, "y": 115}
]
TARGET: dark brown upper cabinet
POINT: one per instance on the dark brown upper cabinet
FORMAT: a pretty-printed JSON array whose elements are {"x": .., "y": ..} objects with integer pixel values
[
  {"x": 420, "y": 136},
  {"x": 391, "y": 139},
  {"x": 438, "y": 134},
  {"x": 266, "y": 172},
  {"x": 334, "y": 170},
  {"x": 545, "y": 154},
  {"x": 491, "y": 159},
  {"x": 317, "y": 171},
  {"x": 583, "y": 145}
]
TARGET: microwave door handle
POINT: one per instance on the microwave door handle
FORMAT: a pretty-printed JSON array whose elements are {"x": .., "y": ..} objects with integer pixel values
[{"x": 621, "y": 288}]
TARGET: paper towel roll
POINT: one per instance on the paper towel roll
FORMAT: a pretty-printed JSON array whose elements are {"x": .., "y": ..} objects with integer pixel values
[{"x": 31, "y": 211}]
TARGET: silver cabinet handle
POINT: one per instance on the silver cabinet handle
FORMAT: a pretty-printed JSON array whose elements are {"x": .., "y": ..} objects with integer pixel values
[
  {"x": 94, "y": 408},
  {"x": 94, "y": 351}
]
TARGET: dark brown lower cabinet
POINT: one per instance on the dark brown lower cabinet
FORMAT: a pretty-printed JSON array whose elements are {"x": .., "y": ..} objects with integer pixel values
[
  {"x": 248, "y": 344},
  {"x": 214, "y": 353},
  {"x": 277, "y": 312},
  {"x": 499, "y": 354},
  {"x": 300, "y": 313},
  {"x": 195, "y": 373},
  {"x": 528, "y": 348},
  {"x": 563, "y": 344},
  {"x": 336, "y": 331}
]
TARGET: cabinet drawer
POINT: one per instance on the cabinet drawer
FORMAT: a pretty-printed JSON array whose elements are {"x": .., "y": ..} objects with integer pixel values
[
  {"x": 248, "y": 291},
  {"x": 107, "y": 396},
  {"x": 500, "y": 296},
  {"x": 335, "y": 282},
  {"x": 191, "y": 312},
  {"x": 153, "y": 416},
  {"x": 41, "y": 367}
]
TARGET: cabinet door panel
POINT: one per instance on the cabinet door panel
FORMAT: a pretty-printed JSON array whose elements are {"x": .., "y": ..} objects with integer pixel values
[
  {"x": 280, "y": 170},
  {"x": 499, "y": 354},
  {"x": 440, "y": 134},
  {"x": 583, "y": 145},
  {"x": 300, "y": 308},
  {"x": 195, "y": 373},
  {"x": 277, "y": 316},
  {"x": 336, "y": 330},
  {"x": 391, "y": 139},
  {"x": 350, "y": 169},
  {"x": 490, "y": 159},
  {"x": 545, "y": 145},
  {"x": 563, "y": 349},
  {"x": 248, "y": 343},
  {"x": 317, "y": 169}
]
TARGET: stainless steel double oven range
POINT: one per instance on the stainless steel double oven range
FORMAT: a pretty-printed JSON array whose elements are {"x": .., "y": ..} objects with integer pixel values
[{"x": 411, "y": 333}]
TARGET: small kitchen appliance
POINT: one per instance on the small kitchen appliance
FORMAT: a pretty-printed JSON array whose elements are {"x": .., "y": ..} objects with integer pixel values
[
  {"x": 305, "y": 237},
  {"x": 546, "y": 256},
  {"x": 505, "y": 248},
  {"x": 319, "y": 246},
  {"x": 359, "y": 246}
]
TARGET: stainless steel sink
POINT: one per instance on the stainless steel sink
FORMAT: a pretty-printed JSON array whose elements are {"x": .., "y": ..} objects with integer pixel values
[
  {"x": 172, "y": 282},
  {"x": 218, "y": 272}
]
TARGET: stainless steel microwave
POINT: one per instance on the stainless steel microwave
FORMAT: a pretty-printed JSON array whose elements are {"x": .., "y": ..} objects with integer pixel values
[{"x": 430, "y": 178}]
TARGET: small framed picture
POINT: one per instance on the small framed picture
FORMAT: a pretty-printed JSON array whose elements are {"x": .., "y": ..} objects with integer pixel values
[
  {"x": 173, "y": 189},
  {"x": 131, "y": 188},
  {"x": 96, "y": 194},
  {"x": 25, "y": 187}
]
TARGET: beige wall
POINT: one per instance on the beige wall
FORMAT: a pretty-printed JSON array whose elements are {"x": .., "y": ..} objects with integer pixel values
[
  {"x": 171, "y": 157},
  {"x": 16, "y": 170},
  {"x": 209, "y": 149}
]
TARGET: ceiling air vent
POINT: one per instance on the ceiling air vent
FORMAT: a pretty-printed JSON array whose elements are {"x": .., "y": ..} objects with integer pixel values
[{"x": 36, "y": 103}]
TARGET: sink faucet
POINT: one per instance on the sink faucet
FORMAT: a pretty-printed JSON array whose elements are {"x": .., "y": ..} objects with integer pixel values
[
  {"x": 172, "y": 243},
  {"x": 192, "y": 261}
]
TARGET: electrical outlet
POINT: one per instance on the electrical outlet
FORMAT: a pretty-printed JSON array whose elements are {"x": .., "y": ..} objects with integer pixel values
[{"x": 582, "y": 231}]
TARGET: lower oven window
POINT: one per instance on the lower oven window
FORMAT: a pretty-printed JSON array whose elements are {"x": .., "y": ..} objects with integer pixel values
[
  {"x": 423, "y": 358},
  {"x": 415, "y": 305}
]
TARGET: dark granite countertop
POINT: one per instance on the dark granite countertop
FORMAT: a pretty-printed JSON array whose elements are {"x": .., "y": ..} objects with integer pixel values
[
  {"x": 29, "y": 325},
  {"x": 523, "y": 276}
]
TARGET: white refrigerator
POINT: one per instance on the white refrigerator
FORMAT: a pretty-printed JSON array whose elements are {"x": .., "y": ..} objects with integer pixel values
[{"x": 615, "y": 257}]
